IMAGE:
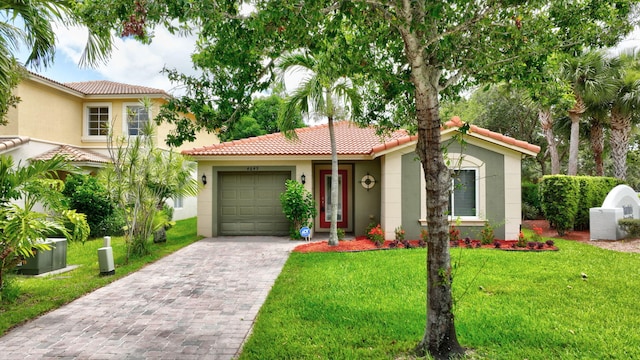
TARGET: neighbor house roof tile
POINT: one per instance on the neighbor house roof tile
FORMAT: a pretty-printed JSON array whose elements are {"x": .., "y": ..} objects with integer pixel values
[
  {"x": 10, "y": 142},
  {"x": 104, "y": 87},
  {"x": 350, "y": 140},
  {"x": 74, "y": 154}
]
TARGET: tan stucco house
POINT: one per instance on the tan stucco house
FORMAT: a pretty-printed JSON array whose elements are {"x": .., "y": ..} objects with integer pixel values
[
  {"x": 73, "y": 118},
  {"x": 381, "y": 181}
]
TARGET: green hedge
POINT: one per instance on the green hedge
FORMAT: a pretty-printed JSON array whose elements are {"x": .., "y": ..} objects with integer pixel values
[
  {"x": 593, "y": 191},
  {"x": 566, "y": 200}
]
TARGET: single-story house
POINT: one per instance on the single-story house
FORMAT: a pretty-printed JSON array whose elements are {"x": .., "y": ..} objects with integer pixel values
[{"x": 381, "y": 181}]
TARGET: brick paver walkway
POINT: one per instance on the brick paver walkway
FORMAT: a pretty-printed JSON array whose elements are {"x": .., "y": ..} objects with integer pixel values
[{"x": 198, "y": 303}]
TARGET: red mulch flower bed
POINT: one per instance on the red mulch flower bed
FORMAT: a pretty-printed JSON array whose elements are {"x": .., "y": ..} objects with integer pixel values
[{"x": 364, "y": 244}]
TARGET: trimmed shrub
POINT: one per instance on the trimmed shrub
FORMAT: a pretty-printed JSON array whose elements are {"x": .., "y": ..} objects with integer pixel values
[
  {"x": 631, "y": 227},
  {"x": 559, "y": 197},
  {"x": 298, "y": 207},
  {"x": 593, "y": 191},
  {"x": 88, "y": 196}
]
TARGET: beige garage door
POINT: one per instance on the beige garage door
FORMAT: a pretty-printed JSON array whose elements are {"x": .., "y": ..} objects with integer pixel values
[{"x": 249, "y": 203}]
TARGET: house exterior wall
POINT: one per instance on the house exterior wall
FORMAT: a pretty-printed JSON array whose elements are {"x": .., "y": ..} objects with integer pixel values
[
  {"x": 45, "y": 113},
  {"x": 367, "y": 205},
  {"x": 500, "y": 193}
]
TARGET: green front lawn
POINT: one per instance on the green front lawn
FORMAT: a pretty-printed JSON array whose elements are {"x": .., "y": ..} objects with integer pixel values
[
  {"x": 42, "y": 294},
  {"x": 509, "y": 305}
]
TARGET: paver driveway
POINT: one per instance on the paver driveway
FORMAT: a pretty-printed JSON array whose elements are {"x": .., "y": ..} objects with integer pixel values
[{"x": 198, "y": 303}]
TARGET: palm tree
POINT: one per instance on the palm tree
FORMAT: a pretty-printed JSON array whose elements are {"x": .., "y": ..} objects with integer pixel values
[
  {"x": 22, "y": 187},
  {"x": 324, "y": 92},
  {"x": 38, "y": 35},
  {"x": 624, "y": 108},
  {"x": 588, "y": 77},
  {"x": 170, "y": 176}
]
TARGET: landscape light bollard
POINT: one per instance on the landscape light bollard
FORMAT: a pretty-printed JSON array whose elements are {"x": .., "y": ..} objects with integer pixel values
[{"x": 105, "y": 258}]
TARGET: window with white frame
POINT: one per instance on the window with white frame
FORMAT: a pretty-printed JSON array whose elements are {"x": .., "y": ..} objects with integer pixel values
[
  {"x": 137, "y": 117},
  {"x": 178, "y": 202},
  {"x": 467, "y": 200},
  {"x": 463, "y": 199},
  {"x": 96, "y": 120}
]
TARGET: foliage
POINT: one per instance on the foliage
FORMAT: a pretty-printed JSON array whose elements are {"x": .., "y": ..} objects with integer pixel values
[
  {"x": 530, "y": 200},
  {"x": 140, "y": 179},
  {"x": 23, "y": 228},
  {"x": 39, "y": 295},
  {"x": 10, "y": 290},
  {"x": 298, "y": 206},
  {"x": 593, "y": 191},
  {"x": 261, "y": 118},
  {"x": 631, "y": 227},
  {"x": 560, "y": 198},
  {"x": 340, "y": 234},
  {"x": 30, "y": 23},
  {"x": 376, "y": 234},
  {"x": 408, "y": 54},
  {"x": 399, "y": 232},
  {"x": 87, "y": 195},
  {"x": 424, "y": 234},
  {"x": 487, "y": 234}
]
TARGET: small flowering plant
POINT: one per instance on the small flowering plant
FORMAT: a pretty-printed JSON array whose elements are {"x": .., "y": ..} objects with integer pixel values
[
  {"x": 376, "y": 234},
  {"x": 399, "y": 233},
  {"x": 454, "y": 234},
  {"x": 424, "y": 235},
  {"x": 522, "y": 240},
  {"x": 537, "y": 233}
]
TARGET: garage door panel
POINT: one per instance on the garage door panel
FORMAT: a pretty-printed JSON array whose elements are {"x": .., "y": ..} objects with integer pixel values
[{"x": 250, "y": 203}]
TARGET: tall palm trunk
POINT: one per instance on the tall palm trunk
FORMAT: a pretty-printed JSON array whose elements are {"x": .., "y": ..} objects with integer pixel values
[
  {"x": 597, "y": 145},
  {"x": 574, "y": 141},
  {"x": 333, "y": 230},
  {"x": 546, "y": 122},
  {"x": 620, "y": 132}
]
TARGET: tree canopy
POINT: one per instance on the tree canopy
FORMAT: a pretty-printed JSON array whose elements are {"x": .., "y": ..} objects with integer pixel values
[{"x": 408, "y": 54}]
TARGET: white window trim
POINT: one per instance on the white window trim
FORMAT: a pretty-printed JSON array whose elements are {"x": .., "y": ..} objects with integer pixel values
[
  {"x": 461, "y": 162},
  {"x": 125, "y": 116},
  {"x": 85, "y": 121},
  {"x": 178, "y": 202}
]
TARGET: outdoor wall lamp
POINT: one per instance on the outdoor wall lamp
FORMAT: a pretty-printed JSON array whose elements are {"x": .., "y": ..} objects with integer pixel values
[
  {"x": 204, "y": 179},
  {"x": 303, "y": 179}
]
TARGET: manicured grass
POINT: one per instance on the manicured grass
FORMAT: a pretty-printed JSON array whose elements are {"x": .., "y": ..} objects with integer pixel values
[
  {"x": 509, "y": 305},
  {"x": 42, "y": 294}
]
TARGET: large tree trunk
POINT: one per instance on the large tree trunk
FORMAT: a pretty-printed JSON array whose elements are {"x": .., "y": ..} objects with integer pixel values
[
  {"x": 620, "y": 131},
  {"x": 333, "y": 231},
  {"x": 597, "y": 145},
  {"x": 546, "y": 122},
  {"x": 440, "y": 338}
]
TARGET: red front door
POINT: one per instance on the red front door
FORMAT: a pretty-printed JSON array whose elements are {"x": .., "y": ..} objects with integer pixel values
[{"x": 325, "y": 199}]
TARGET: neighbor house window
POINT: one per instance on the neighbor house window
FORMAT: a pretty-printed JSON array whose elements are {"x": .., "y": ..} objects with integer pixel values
[
  {"x": 137, "y": 117},
  {"x": 178, "y": 202},
  {"x": 97, "y": 117},
  {"x": 463, "y": 199}
]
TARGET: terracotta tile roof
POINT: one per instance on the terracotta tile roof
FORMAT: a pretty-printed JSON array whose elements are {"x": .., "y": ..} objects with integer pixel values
[
  {"x": 10, "y": 142},
  {"x": 74, "y": 154},
  {"x": 104, "y": 87},
  {"x": 350, "y": 140},
  {"x": 456, "y": 122}
]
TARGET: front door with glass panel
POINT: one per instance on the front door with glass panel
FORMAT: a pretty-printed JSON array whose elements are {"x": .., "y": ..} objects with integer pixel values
[{"x": 325, "y": 199}]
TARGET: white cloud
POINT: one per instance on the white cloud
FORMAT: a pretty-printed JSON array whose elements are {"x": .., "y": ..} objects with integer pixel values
[{"x": 131, "y": 62}]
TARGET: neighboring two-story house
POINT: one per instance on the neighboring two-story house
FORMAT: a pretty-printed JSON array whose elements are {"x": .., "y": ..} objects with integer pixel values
[{"x": 73, "y": 119}]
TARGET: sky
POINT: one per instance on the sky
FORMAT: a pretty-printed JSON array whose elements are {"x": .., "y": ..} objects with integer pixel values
[
  {"x": 135, "y": 63},
  {"x": 131, "y": 62}
]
